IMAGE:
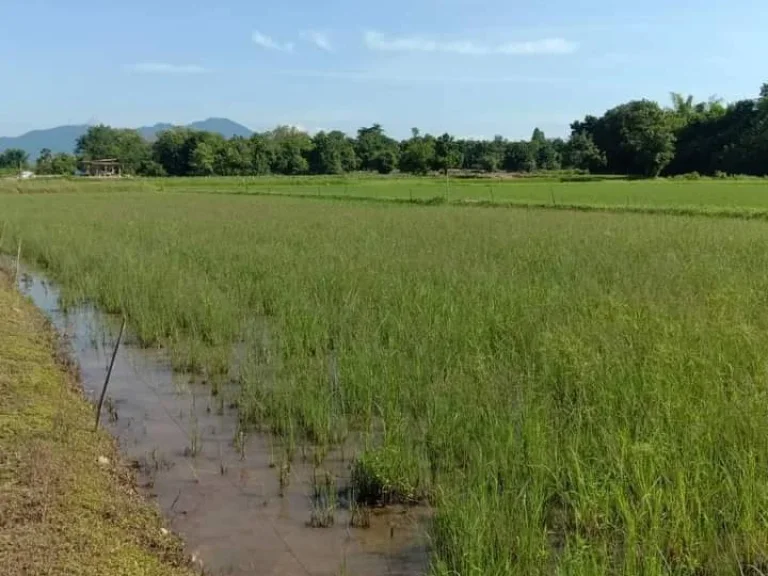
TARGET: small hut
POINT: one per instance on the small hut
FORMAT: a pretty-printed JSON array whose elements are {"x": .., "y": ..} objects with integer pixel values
[{"x": 104, "y": 168}]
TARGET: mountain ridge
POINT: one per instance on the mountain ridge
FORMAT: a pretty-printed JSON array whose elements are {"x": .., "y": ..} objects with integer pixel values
[{"x": 63, "y": 138}]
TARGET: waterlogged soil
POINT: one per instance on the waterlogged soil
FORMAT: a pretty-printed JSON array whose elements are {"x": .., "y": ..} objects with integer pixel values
[{"x": 222, "y": 495}]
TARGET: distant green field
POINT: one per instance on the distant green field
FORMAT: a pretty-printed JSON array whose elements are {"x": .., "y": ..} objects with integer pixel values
[
  {"x": 574, "y": 393},
  {"x": 748, "y": 196}
]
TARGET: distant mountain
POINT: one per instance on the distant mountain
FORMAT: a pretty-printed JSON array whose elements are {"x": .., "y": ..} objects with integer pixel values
[
  {"x": 151, "y": 132},
  {"x": 223, "y": 126},
  {"x": 63, "y": 138}
]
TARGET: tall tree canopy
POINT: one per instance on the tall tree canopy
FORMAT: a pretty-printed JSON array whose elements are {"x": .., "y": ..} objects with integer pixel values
[
  {"x": 638, "y": 138},
  {"x": 417, "y": 155},
  {"x": 332, "y": 153},
  {"x": 102, "y": 142},
  {"x": 375, "y": 151},
  {"x": 447, "y": 154},
  {"x": 14, "y": 159}
]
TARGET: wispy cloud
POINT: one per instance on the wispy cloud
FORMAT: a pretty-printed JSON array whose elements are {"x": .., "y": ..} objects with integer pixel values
[
  {"x": 268, "y": 43},
  {"x": 366, "y": 76},
  {"x": 318, "y": 38},
  {"x": 166, "y": 68},
  {"x": 381, "y": 42}
]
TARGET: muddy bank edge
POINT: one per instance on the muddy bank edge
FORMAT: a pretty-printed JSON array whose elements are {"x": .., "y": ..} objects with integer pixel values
[{"x": 68, "y": 504}]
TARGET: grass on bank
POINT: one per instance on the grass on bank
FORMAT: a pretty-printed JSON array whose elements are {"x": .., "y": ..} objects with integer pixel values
[{"x": 61, "y": 512}]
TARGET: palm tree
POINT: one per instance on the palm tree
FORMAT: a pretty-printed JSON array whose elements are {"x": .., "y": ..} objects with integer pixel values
[{"x": 681, "y": 105}]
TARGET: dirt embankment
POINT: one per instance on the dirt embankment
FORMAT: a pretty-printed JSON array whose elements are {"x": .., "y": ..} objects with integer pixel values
[{"x": 67, "y": 502}]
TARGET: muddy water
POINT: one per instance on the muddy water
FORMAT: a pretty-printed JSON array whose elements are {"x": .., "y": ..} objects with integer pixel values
[{"x": 223, "y": 497}]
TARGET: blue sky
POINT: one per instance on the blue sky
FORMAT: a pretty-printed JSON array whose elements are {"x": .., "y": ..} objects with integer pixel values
[{"x": 470, "y": 67}]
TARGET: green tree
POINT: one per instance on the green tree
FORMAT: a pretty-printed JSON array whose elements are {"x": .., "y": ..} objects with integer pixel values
[
  {"x": 701, "y": 135},
  {"x": 63, "y": 164},
  {"x": 292, "y": 147},
  {"x": 203, "y": 159},
  {"x": 262, "y": 153},
  {"x": 519, "y": 157},
  {"x": 587, "y": 126},
  {"x": 375, "y": 151},
  {"x": 369, "y": 144},
  {"x": 151, "y": 168},
  {"x": 233, "y": 157},
  {"x": 99, "y": 142},
  {"x": 649, "y": 137},
  {"x": 741, "y": 142},
  {"x": 471, "y": 150},
  {"x": 538, "y": 137},
  {"x": 581, "y": 152},
  {"x": 386, "y": 160},
  {"x": 482, "y": 155},
  {"x": 489, "y": 163},
  {"x": 127, "y": 146},
  {"x": 173, "y": 150},
  {"x": 418, "y": 154},
  {"x": 447, "y": 154},
  {"x": 545, "y": 155},
  {"x": 637, "y": 137},
  {"x": 682, "y": 108},
  {"x": 332, "y": 153},
  {"x": 44, "y": 161},
  {"x": 133, "y": 150},
  {"x": 495, "y": 153},
  {"x": 14, "y": 159},
  {"x": 548, "y": 158}
]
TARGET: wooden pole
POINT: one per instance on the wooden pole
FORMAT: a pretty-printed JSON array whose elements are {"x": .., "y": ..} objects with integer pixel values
[
  {"x": 109, "y": 374},
  {"x": 18, "y": 260}
]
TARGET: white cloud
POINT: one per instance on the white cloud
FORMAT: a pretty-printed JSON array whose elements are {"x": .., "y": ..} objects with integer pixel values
[
  {"x": 367, "y": 76},
  {"x": 269, "y": 44},
  {"x": 298, "y": 127},
  {"x": 381, "y": 42},
  {"x": 318, "y": 38},
  {"x": 166, "y": 68}
]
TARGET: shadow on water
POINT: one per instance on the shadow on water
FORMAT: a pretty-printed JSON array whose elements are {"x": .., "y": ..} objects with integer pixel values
[{"x": 223, "y": 496}]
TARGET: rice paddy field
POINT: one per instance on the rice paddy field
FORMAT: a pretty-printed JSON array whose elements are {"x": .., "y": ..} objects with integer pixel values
[
  {"x": 573, "y": 392},
  {"x": 740, "y": 197}
]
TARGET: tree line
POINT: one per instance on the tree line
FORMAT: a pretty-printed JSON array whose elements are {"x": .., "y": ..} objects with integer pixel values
[{"x": 637, "y": 138}]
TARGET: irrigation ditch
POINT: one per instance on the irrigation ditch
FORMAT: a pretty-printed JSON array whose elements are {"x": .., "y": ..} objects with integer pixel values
[{"x": 239, "y": 508}]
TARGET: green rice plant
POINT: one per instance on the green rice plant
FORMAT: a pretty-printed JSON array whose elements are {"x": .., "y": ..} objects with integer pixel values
[
  {"x": 385, "y": 476},
  {"x": 574, "y": 392},
  {"x": 240, "y": 441},
  {"x": 697, "y": 195},
  {"x": 195, "y": 441},
  {"x": 284, "y": 475},
  {"x": 324, "y": 500},
  {"x": 359, "y": 515}
]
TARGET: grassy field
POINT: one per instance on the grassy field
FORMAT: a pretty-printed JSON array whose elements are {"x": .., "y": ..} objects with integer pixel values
[
  {"x": 727, "y": 197},
  {"x": 61, "y": 512},
  {"x": 576, "y": 393}
]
